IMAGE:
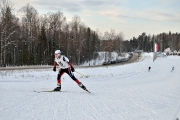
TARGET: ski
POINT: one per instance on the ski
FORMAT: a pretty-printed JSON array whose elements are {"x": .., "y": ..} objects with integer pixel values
[
  {"x": 88, "y": 91},
  {"x": 56, "y": 91},
  {"x": 52, "y": 91},
  {"x": 48, "y": 91}
]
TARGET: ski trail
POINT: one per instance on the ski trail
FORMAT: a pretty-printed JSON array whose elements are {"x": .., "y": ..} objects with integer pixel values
[
  {"x": 124, "y": 93},
  {"x": 68, "y": 109},
  {"x": 177, "y": 114},
  {"x": 174, "y": 76},
  {"x": 54, "y": 110},
  {"x": 83, "y": 108}
]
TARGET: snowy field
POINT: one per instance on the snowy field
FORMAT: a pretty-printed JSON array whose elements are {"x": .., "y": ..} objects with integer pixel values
[
  {"x": 127, "y": 92},
  {"x": 105, "y": 57}
]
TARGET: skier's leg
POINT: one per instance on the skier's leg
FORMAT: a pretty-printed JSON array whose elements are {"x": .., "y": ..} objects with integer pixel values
[
  {"x": 58, "y": 88},
  {"x": 70, "y": 73}
]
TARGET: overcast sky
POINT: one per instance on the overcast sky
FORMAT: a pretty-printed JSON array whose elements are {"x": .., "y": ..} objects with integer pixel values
[{"x": 132, "y": 17}]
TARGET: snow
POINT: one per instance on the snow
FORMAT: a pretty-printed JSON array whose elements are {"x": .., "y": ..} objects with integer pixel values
[
  {"x": 104, "y": 57},
  {"x": 126, "y": 92}
]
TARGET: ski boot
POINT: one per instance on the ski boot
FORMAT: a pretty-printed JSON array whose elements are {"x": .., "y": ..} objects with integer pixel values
[
  {"x": 58, "y": 88},
  {"x": 83, "y": 87}
]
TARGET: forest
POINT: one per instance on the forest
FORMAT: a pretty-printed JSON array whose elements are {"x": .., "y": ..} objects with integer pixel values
[{"x": 30, "y": 38}]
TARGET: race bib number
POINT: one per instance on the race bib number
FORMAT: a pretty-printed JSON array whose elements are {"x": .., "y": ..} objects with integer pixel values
[{"x": 61, "y": 64}]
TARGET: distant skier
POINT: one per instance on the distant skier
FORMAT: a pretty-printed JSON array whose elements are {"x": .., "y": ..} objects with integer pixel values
[
  {"x": 149, "y": 69},
  {"x": 172, "y": 69},
  {"x": 65, "y": 66}
]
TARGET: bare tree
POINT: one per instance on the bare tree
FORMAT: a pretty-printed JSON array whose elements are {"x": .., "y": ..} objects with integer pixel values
[
  {"x": 29, "y": 32},
  {"x": 75, "y": 24},
  {"x": 8, "y": 33},
  {"x": 67, "y": 38},
  {"x": 56, "y": 21},
  {"x": 120, "y": 39}
]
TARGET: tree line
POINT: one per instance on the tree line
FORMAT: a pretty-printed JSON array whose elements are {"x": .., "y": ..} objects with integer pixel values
[
  {"x": 28, "y": 38},
  {"x": 164, "y": 40},
  {"x": 31, "y": 39}
]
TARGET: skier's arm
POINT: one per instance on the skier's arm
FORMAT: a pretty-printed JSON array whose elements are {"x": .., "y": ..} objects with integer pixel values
[
  {"x": 72, "y": 68},
  {"x": 54, "y": 69}
]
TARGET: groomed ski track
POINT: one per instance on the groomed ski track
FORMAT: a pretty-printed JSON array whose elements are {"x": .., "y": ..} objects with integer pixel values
[{"x": 127, "y": 92}]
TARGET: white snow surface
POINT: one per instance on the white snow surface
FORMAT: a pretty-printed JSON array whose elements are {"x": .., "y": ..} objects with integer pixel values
[
  {"x": 126, "y": 92},
  {"x": 105, "y": 57}
]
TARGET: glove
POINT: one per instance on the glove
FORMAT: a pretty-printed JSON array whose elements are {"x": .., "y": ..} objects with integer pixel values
[
  {"x": 72, "y": 69},
  {"x": 54, "y": 69}
]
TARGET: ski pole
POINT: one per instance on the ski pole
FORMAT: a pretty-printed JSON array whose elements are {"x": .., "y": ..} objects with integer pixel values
[{"x": 81, "y": 74}]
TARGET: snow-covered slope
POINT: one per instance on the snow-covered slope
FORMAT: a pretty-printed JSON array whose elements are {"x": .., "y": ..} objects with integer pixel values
[{"x": 127, "y": 92}]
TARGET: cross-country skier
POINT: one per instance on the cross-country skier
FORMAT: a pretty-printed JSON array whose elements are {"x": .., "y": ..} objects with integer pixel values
[
  {"x": 149, "y": 68},
  {"x": 65, "y": 66},
  {"x": 172, "y": 69}
]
